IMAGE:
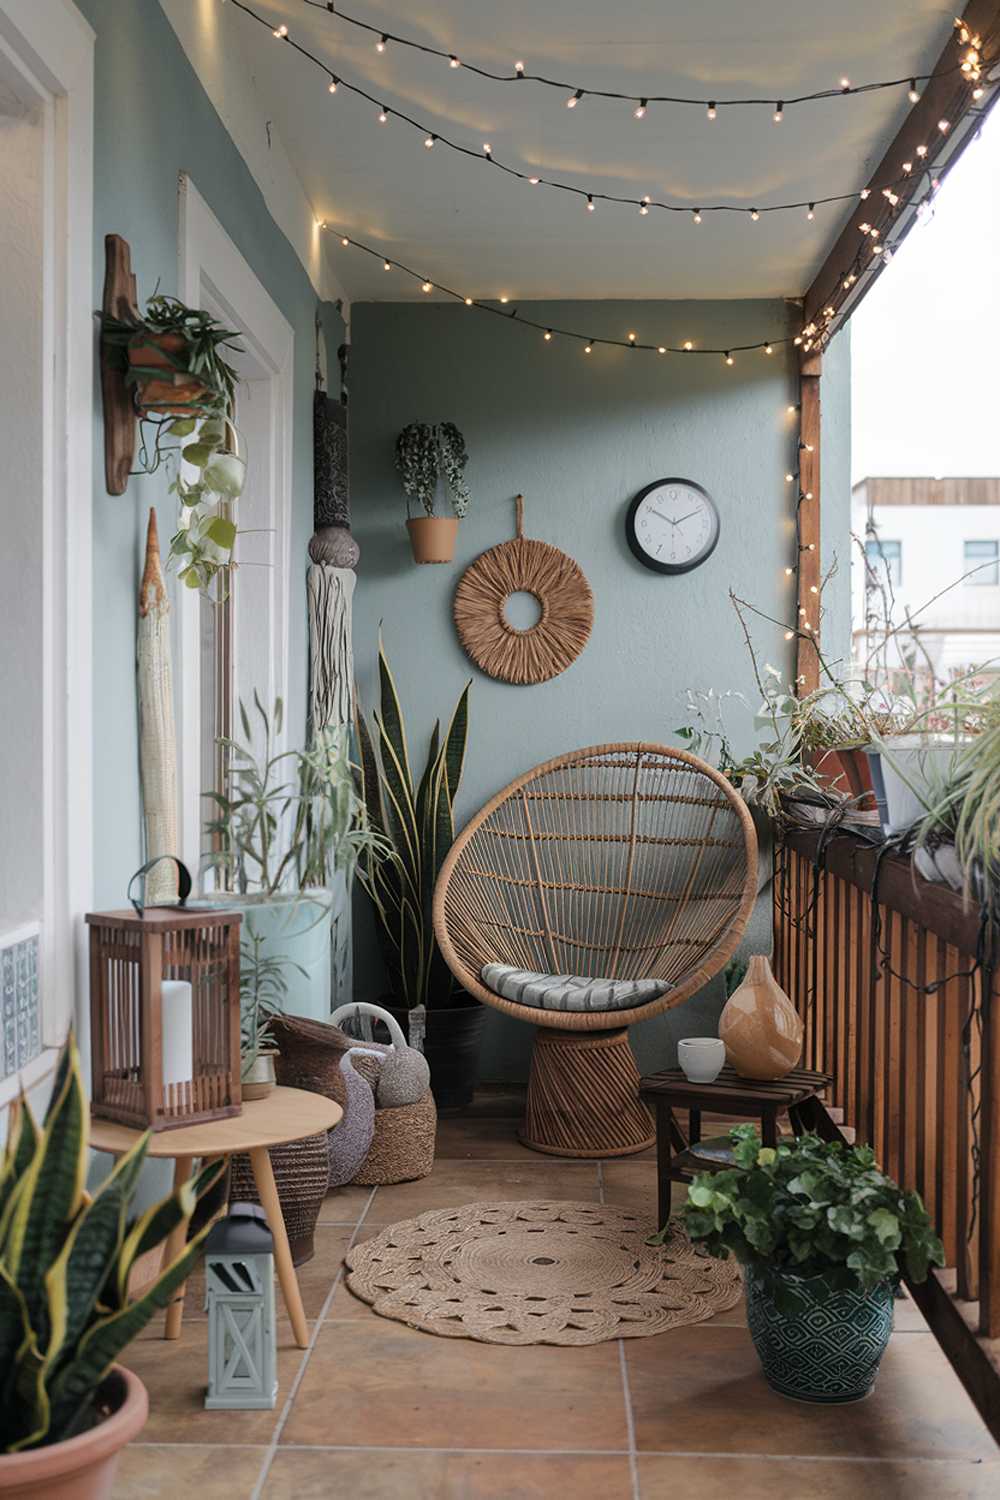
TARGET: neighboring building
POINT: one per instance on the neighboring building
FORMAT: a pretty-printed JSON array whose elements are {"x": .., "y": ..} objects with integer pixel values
[{"x": 919, "y": 535}]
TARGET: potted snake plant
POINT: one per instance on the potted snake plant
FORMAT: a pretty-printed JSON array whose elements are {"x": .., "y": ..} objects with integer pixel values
[
  {"x": 415, "y": 820},
  {"x": 823, "y": 1237},
  {"x": 66, "y": 1259},
  {"x": 430, "y": 460}
]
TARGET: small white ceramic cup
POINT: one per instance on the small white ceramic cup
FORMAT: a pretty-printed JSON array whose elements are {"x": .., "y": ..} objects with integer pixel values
[{"x": 701, "y": 1058}]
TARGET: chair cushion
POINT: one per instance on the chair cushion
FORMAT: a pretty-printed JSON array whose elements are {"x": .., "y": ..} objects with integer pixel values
[{"x": 569, "y": 991}]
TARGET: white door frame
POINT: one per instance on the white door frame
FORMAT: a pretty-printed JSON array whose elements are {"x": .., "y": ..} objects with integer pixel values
[
  {"x": 51, "y": 47},
  {"x": 214, "y": 275}
]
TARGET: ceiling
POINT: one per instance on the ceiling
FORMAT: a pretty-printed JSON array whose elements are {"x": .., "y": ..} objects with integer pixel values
[{"x": 464, "y": 224}]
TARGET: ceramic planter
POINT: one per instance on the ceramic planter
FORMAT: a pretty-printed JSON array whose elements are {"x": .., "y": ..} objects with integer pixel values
[
  {"x": 295, "y": 927},
  {"x": 81, "y": 1468},
  {"x": 760, "y": 1026},
  {"x": 912, "y": 770},
  {"x": 829, "y": 1350},
  {"x": 172, "y": 393},
  {"x": 433, "y": 538},
  {"x": 259, "y": 1077}
]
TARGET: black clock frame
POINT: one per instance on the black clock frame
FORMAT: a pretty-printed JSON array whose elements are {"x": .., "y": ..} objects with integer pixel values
[{"x": 636, "y": 546}]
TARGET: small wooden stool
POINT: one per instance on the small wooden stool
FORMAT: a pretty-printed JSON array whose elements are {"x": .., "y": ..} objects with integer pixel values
[{"x": 677, "y": 1157}]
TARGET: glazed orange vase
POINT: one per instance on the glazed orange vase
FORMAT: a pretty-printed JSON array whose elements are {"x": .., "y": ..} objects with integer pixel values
[{"x": 760, "y": 1026}]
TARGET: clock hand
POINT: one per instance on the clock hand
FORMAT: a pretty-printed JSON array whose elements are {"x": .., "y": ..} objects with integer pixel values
[
  {"x": 662, "y": 517},
  {"x": 684, "y": 518}
]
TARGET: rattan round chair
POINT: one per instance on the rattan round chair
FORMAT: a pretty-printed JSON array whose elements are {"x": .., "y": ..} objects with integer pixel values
[{"x": 627, "y": 861}]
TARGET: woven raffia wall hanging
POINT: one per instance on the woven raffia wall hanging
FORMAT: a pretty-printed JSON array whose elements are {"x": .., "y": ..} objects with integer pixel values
[{"x": 563, "y": 594}]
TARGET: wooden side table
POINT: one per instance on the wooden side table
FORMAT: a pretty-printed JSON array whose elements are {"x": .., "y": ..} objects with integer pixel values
[
  {"x": 677, "y": 1159},
  {"x": 285, "y": 1115}
]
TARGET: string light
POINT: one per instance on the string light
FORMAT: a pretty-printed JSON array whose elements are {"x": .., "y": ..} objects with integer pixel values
[
  {"x": 453, "y": 62},
  {"x": 574, "y": 99},
  {"x": 588, "y": 347},
  {"x": 944, "y": 126},
  {"x": 432, "y": 137},
  {"x": 768, "y": 348},
  {"x": 427, "y": 286},
  {"x": 332, "y": 85},
  {"x": 632, "y": 337},
  {"x": 487, "y": 149},
  {"x": 590, "y": 202},
  {"x": 779, "y": 113},
  {"x": 913, "y": 93},
  {"x": 644, "y": 208},
  {"x": 711, "y": 111},
  {"x": 970, "y": 64},
  {"x": 688, "y": 346},
  {"x": 548, "y": 335},
  {"x": 729, "y": 358},
  {"x": 280, "y": 32},
  {"x": 640, "y": 109},
  {"x": 811, "y": 211},
  {"x": 387, "y": 265},
  {"x": 504, "y": 299},
  {"x": 469, "y": 302},
  {"x": 755, "y": 214}
]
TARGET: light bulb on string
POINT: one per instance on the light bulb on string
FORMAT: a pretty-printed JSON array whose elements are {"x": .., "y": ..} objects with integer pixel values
[
  {"x": 387, "y": 265},
  {"x": 640, "y": 109},
  {"x": 696, "y": 215},
  {"x": 345, "y": 241},
  {"x": 504, "y": 298},
  {"x": 468, "y": 302},
  {"x": 944, "y": 126},
  {"x": 811, "y": 211},
  {"x": 590, "y": 203},
  {"x": 487, "y": 149},
  {"x": 534, "y": 181},
  {"x": 519, "y": 68},
  {"x": 661, "y": 349},
  {"x": 632, "y": 338},
  {"x": 688, "y": 346},
  {"x": 588, "y": 347},
  {"x": 547, "y": 335},
  {"x": 913, "y": 93},
  {"x": 711, "y": 112},
  {"x": 768, "y": 348},
  {"x": 921, "y": 151},
  {"x": 754, "y": 214},
  {"x": 644, "y": 208},
  {"x": 382, "y": 43},
  {"x": 978, "y": 92},
  {"x": 332, "y": 85},
  {"x": 729, "y": 358},
  {"x": 779, "y": 112},
  {"x": 453, "y": 61},
  {"x": 429, "y": 141},
  {"x": 383, "y": 115},
  {"x": 574, "y": 99},
  {"x": 427, "y": 287},
  {"x": 845, "y": 84},
  {"x": 280, "y": 32}
]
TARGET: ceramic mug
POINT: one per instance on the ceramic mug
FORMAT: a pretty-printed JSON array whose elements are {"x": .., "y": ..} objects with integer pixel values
[{"x": 701, "y": 1058}]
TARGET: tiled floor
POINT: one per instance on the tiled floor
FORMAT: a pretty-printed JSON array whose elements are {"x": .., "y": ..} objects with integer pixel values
[{"x": 373, "y": 1410}]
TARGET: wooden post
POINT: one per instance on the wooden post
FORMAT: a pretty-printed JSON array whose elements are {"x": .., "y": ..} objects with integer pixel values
[
  {"x": 119, "y": 413},
  {"x": 808, "y": 528}
]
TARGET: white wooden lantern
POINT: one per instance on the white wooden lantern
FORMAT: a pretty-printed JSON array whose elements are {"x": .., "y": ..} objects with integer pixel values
[{"x": 239, "y": 1285}]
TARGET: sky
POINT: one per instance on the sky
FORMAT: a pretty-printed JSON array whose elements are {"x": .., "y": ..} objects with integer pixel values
[{"x": 925, "y": 343}]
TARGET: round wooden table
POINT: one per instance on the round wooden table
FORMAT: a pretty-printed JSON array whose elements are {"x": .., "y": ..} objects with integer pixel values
[{"x": 285, "y": 1115}]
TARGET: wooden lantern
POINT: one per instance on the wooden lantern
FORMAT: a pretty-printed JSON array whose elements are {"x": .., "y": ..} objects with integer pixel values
[{"x": 165, "y": 1016}]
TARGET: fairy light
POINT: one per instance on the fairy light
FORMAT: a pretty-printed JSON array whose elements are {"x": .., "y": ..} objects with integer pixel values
[
  {"x": 913, "y": 93},
  {"x": 845, "y": 84},
  {"x": 519, "y": 68},
  {"x": 755, "y": 214},
  {"x": 427, "y": 286},
  {"x": 574, "y": 99},
  {"x": 453, "y": 61},
  {"x": 504, "y": 298},
  {"x": 383, "y": 115},
  {"x": 688, "y": 346},
  {"x": 590, "y": 203},
  {"x": 711, "y": 112},
  {"x": 944, "y": 126},
  {"x": 640, "y": 109},
  {"x": 547, "y": 335},
  {"x": 779, "y": 112},
  {"x": 644, "y": 209},
  {"x": 696, "y": 215},
  {"x": 811, "y": 211},
  {"x": 588, "y": 347},
  {"x": 534, "y": 181},
  {"x": 487, "y": 149},
  {"x": 789, "y": 635},
  {"x": 387, "y": 265},
  {"x": 921, "y": 151},
  {"x": 280, "y": 32},
  {"x": 345, "y": 241},
  {"x": 729, "y": 358},
  {"x": 469, "y": 302},
  {"x": 789, "y": 478},
  {"x": 429, "y": 141},
  {"x": 382, "y": 43},
  {"x": 632, "y": 337},
  {"x": 332, "y": 85},
  {"x": 768, "y": 348},
  {"x": 661, "y": 349}
]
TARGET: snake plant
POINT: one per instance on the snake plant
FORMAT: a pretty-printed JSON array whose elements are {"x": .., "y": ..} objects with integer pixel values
[
  {"x": 417, "y": 821},
  {"x": 65, "y": 1261}
]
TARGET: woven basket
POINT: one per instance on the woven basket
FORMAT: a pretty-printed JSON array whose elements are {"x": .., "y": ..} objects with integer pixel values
[
  {"x": 310, "y": 1053},
  {"x": 403, "y": 1146},
  {"x": 302, "y": 1176}
]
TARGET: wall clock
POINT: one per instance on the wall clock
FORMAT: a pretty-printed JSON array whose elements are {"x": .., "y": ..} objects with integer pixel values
[{"x": 672, "y": 525}]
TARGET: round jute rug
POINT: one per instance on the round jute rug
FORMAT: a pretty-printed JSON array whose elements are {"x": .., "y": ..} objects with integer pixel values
[{"x": 538, "y": 1273}]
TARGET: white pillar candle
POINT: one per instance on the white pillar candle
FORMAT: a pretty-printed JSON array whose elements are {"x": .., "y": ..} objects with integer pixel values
[{"x": 178, "y": 1040}]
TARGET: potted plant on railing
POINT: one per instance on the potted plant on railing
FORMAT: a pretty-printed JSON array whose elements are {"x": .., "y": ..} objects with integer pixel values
[
  {"x": 417, "y": 821},
  {"x": 823, "y": 1237},
  {"x": 66, "y": 1260},
  {"x": 289, "y": 830},
  {"x": 431, "y": 459},
  {"x": 958, "y": 838},
  {"x": 184, "y": 388}
]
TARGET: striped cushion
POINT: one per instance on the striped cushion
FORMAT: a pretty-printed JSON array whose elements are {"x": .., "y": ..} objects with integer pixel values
[{"x": 569, "y": 991}]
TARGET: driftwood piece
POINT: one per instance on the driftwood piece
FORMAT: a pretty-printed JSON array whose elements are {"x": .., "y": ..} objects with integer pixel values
[
  {"x": 157, "y": 739},
  {"x": 119, "y": 413}
]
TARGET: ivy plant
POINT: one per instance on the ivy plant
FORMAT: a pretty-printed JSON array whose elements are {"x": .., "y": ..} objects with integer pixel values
[{"x": 811, "y": 1208}]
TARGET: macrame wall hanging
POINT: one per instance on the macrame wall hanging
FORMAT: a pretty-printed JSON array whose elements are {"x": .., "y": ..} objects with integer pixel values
[{"x": 563, "y": 596}]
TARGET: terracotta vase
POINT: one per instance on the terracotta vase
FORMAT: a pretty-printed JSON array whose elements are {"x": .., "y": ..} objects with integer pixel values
[
  {"x": 433, "y": 538},
  {"x": 83, "y": 1467},
  {"x": 760, "y": 1026}
]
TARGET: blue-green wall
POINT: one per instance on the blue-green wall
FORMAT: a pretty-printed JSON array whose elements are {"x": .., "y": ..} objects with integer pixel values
[
  {"x": 579, "y": 436},
  {"x": 154, "y": 120}
]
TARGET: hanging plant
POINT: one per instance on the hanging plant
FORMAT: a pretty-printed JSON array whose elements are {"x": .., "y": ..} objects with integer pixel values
[
  {"x": 183, "y": 388},
  {"x": 425, "y": 455}
]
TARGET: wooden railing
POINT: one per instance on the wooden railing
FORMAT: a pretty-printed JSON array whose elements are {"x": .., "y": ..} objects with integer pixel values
[{"x": 894, "y": 979}]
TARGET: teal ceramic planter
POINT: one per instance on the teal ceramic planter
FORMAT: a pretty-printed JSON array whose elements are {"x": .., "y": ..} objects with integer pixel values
[
  {"x": 295, "y": 927},
  {"x": 830, "y": 1349}
]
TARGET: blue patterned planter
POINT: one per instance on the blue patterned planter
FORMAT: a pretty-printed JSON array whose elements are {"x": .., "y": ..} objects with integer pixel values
[{"x": 829, "y": 1351}]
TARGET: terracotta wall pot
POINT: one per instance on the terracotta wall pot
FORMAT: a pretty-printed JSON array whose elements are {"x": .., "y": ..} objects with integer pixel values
[
  {"x": 760, "y": 1026},
  {"x": 173, "y": 393},
  {"x": 82, "y": 1468},
  {"x": 433, "y": 538}
]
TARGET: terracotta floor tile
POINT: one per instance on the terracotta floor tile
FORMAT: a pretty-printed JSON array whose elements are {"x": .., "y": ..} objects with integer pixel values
[
  {"x": 344, "y": 1205},
  {"x": 147, "y": 1471},
  {"x": 490, "y": 1136},
  {"x": 175, "y": 1373},
  {"x": 316, "y": 1475},
  {"x": 823, "y": 1479},
  {"x": 315, "y": 1278},
  {"x": 631, "y": 1183},
  {"x": 701, "y": 1389},
  {"x": 372, "y": 1381},
  {"x": 453, "y": 1183}
]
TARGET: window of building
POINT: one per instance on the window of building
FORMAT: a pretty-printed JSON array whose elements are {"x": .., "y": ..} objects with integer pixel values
[
  {"x": 885, "y": 560},
  {"x": 985, "y": 558}
]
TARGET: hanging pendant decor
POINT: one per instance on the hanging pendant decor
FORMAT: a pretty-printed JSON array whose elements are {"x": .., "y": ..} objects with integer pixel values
[{"x": 563, "y": 596}]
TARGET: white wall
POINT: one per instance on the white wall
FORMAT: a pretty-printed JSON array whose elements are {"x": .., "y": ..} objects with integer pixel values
[{"x": 21, "y": 721}]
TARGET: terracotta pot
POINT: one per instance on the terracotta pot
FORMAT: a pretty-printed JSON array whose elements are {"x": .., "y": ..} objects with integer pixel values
[
  {"x": 859, "y": 777},
  {"x": 81, "y": 1468},
  {"x": 760, "y": 1026},
  {"x": 259, "y": 1077},
  {"x": 829, "y": 767},
  {"x": 433, "y": 538},
  {"x": 173, "y": 394}
]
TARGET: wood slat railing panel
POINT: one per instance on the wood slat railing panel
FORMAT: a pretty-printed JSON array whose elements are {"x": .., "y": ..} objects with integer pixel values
[{"x": 902, "y": 1016}]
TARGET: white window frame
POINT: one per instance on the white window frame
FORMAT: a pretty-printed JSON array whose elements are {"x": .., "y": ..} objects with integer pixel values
[
  {"x": 214, "y": 275},
  {"x": 51, "y": 46},
  {"x": 981, "y": 579}
]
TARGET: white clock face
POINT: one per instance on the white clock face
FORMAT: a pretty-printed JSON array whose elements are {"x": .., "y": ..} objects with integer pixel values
[{"x": 673, "y": 526}]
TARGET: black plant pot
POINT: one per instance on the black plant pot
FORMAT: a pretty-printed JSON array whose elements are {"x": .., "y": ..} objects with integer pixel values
[{"x": 451, "y": 1046}]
